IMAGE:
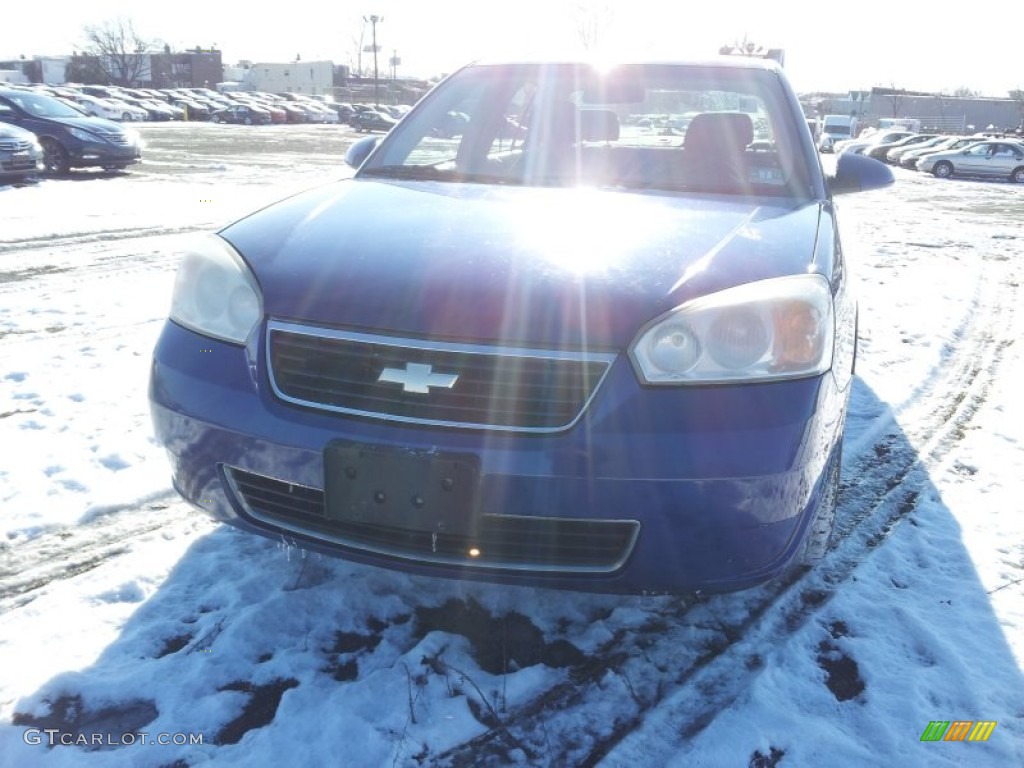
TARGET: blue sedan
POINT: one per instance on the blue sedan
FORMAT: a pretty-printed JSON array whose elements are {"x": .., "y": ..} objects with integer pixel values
[{"x": 565, "y": 347}]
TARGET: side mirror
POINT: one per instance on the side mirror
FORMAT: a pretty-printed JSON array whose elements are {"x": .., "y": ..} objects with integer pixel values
[
  {"x": 858, "y": 173},
  {"x": 359, "y": 151}
]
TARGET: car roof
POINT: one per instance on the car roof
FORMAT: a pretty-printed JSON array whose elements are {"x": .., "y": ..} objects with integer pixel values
[{"x": 721, "y": 62}]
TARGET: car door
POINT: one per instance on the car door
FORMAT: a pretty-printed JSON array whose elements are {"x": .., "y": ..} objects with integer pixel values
[
  {"x": 974, "y": 160},
  {"x": 1004, "y": 159}
]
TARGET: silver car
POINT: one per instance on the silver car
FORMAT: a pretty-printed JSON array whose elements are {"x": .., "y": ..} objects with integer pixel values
[
  {"x": 999, "y": 159},
  {"x": 909, "y": 159},
  {"x": 20, "y": 153}
]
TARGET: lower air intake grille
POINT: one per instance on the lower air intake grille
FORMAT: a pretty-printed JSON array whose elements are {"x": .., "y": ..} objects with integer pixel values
[{"x": 502, "y": 541}]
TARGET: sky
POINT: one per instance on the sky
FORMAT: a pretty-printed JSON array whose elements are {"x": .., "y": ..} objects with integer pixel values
[
  {"x": 828, "y": 47},
  {"x": 123, "y": 612}
]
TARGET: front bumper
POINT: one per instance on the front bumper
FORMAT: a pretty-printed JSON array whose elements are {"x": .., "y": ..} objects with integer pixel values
[
  {"x": 92, "y": 154},
  {"x": 652, "y": 490}
]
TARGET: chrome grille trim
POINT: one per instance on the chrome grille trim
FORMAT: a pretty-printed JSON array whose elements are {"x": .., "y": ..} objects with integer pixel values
[
  {"x": 604, "y": 359},
  {"x": 303, "y": 501}
]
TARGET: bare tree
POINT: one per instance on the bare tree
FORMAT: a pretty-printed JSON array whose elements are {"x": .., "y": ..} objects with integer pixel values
[
  {"x": 592, "y": 21},
  {"x": 744, "y": 47},
  {"x": 121, "y": 51},
  {"x": 896, "y": 98},
  {"x": 963, "y": 92}
]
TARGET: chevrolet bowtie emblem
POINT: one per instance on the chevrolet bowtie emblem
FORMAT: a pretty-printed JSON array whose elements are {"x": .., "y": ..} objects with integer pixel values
[{"x": 417, "y": 377}]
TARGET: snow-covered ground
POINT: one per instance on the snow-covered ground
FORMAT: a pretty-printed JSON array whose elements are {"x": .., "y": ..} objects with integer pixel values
[{"x": 134, "y": 627}]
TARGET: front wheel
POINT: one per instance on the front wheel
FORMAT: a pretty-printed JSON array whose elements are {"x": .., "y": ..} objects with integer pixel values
[
  {"x": 248, "y": 121},
  {"x": 1017, "y": 177},
  {"x": 55, "y": 158},
  {"x": 943, "y": 170}
]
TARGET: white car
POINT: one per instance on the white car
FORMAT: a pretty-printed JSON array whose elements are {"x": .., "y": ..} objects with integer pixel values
[
  {"x": 98, "y": 107},
  {"x": 128, "y": 111}
]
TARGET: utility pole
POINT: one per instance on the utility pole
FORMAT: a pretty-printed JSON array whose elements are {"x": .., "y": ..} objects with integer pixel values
[{"x": 373, "y": 23}]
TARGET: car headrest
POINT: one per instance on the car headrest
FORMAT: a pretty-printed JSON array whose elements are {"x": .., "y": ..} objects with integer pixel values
[{"x": 719, "y": 132}]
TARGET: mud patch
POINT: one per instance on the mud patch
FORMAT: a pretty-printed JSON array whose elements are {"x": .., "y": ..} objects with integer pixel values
[
  {"x": 259, "y": 710},
  {"x": 100, "y": 729},
  {"x": 759, "y": 760},
  {"x": 500, "y": 643},
  {"x": 842, "y": 675},
  {"x": 173, "y": 645}
]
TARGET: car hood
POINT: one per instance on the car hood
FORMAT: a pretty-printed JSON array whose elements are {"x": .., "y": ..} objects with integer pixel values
[
  {"x": 94, "y": 124},
  {"x": 511, "y": 264},
  {"x": 14, "y": 132}
]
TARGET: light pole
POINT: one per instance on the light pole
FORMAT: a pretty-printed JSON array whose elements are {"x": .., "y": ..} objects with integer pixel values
[{"x": 373, "y": 23}]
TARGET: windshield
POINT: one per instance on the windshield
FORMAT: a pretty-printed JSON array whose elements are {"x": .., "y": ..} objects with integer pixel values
[
  {"x": 39, "y": 105},
  {"x": 664, "y": 127}
]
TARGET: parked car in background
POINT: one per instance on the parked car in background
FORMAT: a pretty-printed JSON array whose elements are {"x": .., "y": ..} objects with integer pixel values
[
  {"x": 242, "y": 113},
  {"x": 371, "y": 120},
  {"x": 21, "y": 155},
  {"x": 451, "y": 124},
  {"x": 836, "y": 128},
  {"x": 581, "y": 359},
  {"x": 859, "y": 145},
  {"x": 990, "y": 159},
  {"x": 134, "y": 112},
  {"x": 294, "y": 112},
  {"x": 345, "y": 111},
  {"x": 99, "y": 107},
  {"x": 880, "y": 150},
  {"x": 895, "y": 155},
  {"x": 909, "y": 159},
  {"x": 192, "y": 110},
  {"x": 69, "y": 139}
]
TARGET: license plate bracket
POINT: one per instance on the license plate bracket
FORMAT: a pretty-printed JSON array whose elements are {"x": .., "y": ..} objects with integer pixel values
[{"x": 417, "y": 491}]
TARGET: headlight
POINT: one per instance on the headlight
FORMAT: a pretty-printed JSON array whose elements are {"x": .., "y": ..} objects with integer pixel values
[
  {"x": 81, "y": 135},
  {"x": 133, "y": 136},
  {"x": 215, "y": 294},
  {"x": 773, "y": 329}
]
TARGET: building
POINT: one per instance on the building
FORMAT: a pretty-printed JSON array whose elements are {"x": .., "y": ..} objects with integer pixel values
[
  {"x": 936, "y": 111},
  {"x": 195, "y": 68},
  {"x": 309, "y": 77}
]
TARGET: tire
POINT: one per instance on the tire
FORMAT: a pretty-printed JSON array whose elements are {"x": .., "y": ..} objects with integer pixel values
[
  {"x": 943, "y": 169},
  {"x": 248, "y": 121},
  {"x": 1017, "y": 177},
  {"x": 820, "y": 531},
  {"x": 55, "y": 158}
]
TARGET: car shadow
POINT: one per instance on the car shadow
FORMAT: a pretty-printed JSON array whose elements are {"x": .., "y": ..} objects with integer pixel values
[{"x": 248, "y": 636}]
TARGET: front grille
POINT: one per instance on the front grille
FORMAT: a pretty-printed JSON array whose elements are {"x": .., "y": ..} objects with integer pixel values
[
  {"x": 496, "y": 388},
  {"x": 502, "y": 541},
  {"x": 114, "y": 137},
  {"x": 15, "y": 145}
]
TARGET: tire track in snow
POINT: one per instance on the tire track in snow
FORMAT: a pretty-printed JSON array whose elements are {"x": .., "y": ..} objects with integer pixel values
[
  {"x": 90, "y": 237},
  {"x": 63, "y": 553}
]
